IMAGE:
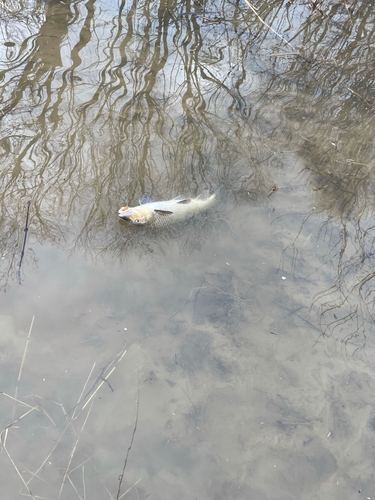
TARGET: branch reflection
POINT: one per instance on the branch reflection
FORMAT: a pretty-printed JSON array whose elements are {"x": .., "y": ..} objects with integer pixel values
[{"x": 104, "y": 101}]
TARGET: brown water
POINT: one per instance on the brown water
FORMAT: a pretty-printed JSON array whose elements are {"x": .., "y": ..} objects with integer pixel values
[{"x": 231, "y": 356}]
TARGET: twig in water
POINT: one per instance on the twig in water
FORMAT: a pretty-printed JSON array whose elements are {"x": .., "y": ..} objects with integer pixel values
[
  {"x": 121, "y": 477},
  {"x": 354, "y": 92},
  {"x": 24, "y": 243},
  {"x": 83, "y": 482},
  {"x": 74, "y": 488},
  {"x": 316, "y": 6},
  {"x": 99, "y": 386},
  {"x": 67, "y": 471},
  {"x": 296, "y": 314},
  {"x": 131, "y": 487},
  {"x": 4, "y": 432},
  {"x": 35, "y": 474},
  {"x": 17, "y": 420},
  {"x": 24, "y": 354},
  {"x": 101, "y": 377},
  {"x": 18, "y": 401},
  {"x": 19, "y": 473},
  {"x": 42, "y": 410},
  {"x": 83, "y": 390},
  {"x": 268, "y": 26},
  {"x": 19, "y": 378}
]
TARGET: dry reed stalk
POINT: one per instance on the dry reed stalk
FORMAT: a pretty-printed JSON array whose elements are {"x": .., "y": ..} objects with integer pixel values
[
  {"x": 42, "y": 410},
  {"x": 268, "y": 26},
  {"x": 70, "y": 425},
  {"x": 121, "y": 477},
  {"x": 307, "y": 239},
  {"x": 67, "y": 472},
  {"x": 75, "y": 489},
  {"x": 354, "y": 92},
  {"x": 37, "y": 497},
  {"x": 231, "y": 295},
  {"x": 104, "y": 380},
  {"x": 99, "y": 386},
  {"x": 83, "y": 463},
  {"x": 83, "y": 390},
  {"x": 18, "y": 380},
  {"x": 19, "y": 401},
  {"x": 131, "y": 487},
  {"x": 18, "y": 472},
  {"x": 48, "y": 456},
  {"x": 83, "y": 482},
  {"x": 17, "y": 419},
  {"x": 24, "y": 353},
  {"x": 103, "y": 483},
  {"x": 39, "y": 477}
]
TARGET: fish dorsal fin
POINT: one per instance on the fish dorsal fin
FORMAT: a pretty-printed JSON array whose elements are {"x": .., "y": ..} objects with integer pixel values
[
  {"x": 185, "y": 201},
  {"x": 145, "y": 198},
  {"x": 163, "y": 212},
  {"x": 178, "y": 198}
]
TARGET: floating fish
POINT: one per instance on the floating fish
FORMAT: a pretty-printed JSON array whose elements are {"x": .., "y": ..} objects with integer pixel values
[{"x": 164, "y": 213}]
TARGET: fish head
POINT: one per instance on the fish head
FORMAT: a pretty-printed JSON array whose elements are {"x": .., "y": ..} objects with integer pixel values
[{"x": 136, "y": 216}]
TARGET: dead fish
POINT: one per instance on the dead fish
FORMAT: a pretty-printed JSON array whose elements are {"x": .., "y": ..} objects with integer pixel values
[{"x": 163, "y": 213}]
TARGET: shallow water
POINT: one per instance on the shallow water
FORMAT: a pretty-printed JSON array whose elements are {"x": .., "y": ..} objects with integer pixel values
[{"x": 228, "y": 357}]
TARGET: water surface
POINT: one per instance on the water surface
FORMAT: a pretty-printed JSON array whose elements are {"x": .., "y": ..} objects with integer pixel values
[{"x": 228, "y": 357}]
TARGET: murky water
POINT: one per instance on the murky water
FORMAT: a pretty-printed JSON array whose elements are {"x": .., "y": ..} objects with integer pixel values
[{"x": 227, "y": 357}]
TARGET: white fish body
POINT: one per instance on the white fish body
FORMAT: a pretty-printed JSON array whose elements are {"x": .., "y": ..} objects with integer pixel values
[{"x": 163, "y": 213}]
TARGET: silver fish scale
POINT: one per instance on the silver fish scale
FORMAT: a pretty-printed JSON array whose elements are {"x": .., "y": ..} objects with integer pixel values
[{"x": 180, "y": 211}]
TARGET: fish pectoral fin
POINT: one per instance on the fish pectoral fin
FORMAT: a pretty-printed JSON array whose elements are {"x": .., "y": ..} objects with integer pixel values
[
  {"x": 185, "y": 202},
  {"x": 145, "y": 198},
  {"x": 163, "y": 212}
]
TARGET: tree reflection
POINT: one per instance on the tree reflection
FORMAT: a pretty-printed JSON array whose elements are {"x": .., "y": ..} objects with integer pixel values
[{"x": 103, "y": 101}]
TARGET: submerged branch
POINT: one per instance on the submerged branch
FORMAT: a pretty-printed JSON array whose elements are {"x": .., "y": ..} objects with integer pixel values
[
  {"x": 24, "y": 242},
  {"x": 121, "y": 477}
]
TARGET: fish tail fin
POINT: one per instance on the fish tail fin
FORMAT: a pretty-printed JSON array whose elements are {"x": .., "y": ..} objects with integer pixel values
[
  {"x": 205, "y": 195},
  {"x": 212, "y": 198},
  {"x": 219, "y": 193}
]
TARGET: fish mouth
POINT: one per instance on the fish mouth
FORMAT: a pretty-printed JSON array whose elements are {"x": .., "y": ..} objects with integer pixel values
[
  {"x": 131, "y": 216},
  {"x": 125, "y": 212}
]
